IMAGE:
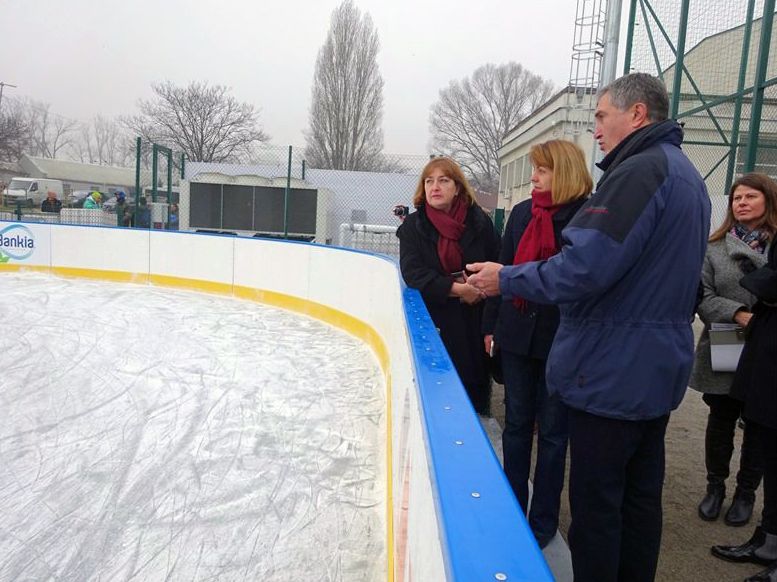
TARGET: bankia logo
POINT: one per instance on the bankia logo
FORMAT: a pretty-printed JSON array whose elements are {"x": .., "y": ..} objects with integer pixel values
[{"x": 16, "y": 242}]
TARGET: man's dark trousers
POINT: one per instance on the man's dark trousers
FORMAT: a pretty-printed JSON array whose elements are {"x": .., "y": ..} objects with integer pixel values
[{"x": 615, "y": 483}]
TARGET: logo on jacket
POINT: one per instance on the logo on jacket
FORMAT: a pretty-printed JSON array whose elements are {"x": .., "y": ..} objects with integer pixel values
[
  {"x": 597, "y": 210},
  {"x": 16, "y": 242}
]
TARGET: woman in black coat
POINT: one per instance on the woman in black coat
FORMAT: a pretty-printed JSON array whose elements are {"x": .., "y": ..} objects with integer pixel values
[
  {"x": 755, "y": 383},
  {"x": 447, "y": 231},
  {"x": 524, "y": 332}
]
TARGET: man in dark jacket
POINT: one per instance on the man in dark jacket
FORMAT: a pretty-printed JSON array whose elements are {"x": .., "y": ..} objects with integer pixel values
[
  {"x": 51, "y": 204},
  {"x": 625, "y": 282}
]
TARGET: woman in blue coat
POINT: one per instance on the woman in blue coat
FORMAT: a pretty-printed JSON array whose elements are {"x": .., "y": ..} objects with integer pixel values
[{"x": 524, "y": 332}]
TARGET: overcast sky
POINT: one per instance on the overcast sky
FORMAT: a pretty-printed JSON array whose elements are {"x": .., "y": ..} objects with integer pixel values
[{"x": 89, "y": 57}]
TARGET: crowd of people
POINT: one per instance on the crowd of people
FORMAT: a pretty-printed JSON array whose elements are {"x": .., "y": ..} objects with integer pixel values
[
  {"x": 127, "y": 214},
  {"x": 589, "y": 301}
]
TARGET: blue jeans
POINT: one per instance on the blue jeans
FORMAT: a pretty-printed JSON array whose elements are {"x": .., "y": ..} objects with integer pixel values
[{"x": 526, "y": 402}]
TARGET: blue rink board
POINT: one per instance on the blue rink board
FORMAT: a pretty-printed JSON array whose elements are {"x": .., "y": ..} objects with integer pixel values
[{"x": 485, "y": 534}]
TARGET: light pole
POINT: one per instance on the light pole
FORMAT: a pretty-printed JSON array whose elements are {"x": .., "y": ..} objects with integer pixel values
[{"x": 2, "y": 86}]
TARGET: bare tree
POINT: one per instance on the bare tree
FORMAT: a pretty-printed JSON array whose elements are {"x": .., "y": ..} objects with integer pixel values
[
  {"x": 472, "y": 116},
  {"x": 202, "y": 121},
  {"x": 347, "y": 97},
  {"x": 14, "y": 130},
  {"x": 49, "y": 133},
  {"x": 103, "y": 141}
]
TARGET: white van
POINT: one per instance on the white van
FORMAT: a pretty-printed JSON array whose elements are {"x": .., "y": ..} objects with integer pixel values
[{"x": 31, "y": 191}]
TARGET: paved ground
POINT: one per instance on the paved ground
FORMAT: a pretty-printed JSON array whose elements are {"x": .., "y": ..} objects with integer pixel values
[{"x": 685, "y": 547}]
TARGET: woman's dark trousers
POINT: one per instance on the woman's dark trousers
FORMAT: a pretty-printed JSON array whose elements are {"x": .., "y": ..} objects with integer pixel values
[
  {"x": 526, "y": 402},
  {"x": 719, "y": 446}
]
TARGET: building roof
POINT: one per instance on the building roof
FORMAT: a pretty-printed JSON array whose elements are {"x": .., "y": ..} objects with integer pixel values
[
  {"x": 542, "y": 111},
  {"x": 68, "y": 171}
]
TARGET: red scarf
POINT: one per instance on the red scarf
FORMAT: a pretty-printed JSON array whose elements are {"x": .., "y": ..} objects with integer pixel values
[
  {"x": 538, "y": 241},
  {"x": 450, "y": 226}
]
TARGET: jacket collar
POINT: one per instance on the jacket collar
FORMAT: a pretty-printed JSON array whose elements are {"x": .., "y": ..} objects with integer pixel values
[
  {"x": 567, "y": 211},
  {"x": 668, "y": 131}
]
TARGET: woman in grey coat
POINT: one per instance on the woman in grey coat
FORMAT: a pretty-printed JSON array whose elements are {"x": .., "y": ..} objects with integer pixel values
[{"x": 738, "y": 247}]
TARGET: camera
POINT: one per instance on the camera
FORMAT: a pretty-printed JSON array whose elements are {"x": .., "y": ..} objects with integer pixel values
[{"x": 401, "y": 211}]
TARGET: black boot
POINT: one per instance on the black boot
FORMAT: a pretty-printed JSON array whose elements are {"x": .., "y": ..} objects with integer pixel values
[
  {"x": 768, "y": 575},
  {"x": 759, "y": 549},
  {"x": 709, "y": 508},
  {"x": 741, "y": 509},
  {"x": 748, "y": 479},
  {"x": 718, "y": 447}
]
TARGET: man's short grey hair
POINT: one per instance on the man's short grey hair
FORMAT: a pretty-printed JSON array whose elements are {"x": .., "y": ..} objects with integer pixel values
[{"x": 639, "y": 88}]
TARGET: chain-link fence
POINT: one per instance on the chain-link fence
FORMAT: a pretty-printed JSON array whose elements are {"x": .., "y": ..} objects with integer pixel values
[
  {"x": 726, "y": 96},
  {"x": 275, "y": 195}
]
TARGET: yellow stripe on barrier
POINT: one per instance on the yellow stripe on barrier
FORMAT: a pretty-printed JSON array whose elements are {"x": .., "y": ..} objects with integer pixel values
[
  {"x": 15, "y": 268},
  {"x": 101, "y": 275}
]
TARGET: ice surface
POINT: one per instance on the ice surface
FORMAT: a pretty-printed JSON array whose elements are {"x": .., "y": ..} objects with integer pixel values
[{"x": 155, "y": 434}]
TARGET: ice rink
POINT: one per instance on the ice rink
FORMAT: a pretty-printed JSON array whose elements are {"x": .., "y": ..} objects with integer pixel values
[{"x": 155, "y": 434}]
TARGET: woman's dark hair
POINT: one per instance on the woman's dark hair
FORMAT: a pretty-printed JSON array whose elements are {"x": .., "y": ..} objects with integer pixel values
[{"x": 766, "y": 186}]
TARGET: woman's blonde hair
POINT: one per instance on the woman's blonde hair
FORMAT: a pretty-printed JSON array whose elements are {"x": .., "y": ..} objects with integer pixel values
[
  {"x": 450, "y": 169},
  {"x": 768, "y": 188},
  {"x": 571, "y": 179}
]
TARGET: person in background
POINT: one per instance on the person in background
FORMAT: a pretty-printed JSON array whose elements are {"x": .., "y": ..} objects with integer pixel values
[
  {"x": 93, "y": 201},
  {"x": 143, "y": 214},
  {"x": 524, "y": 332},
  {"x": 400, "y": 211},
  {"x": 123, "y": 215},
  {"x": 738, "y": 247},
  {"x": 626, "y": 281},
  {"x": 51, "y": 203},
  {"x": 755, "y": 384},
  {"x": 172, "y": 217},
  {"x": 447, "y": 230}
]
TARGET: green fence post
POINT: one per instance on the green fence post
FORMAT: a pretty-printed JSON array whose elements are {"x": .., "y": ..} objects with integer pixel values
[
  {"x": 630, "y": 37},
  {"x": 137, "y": 176},
  {"x": 303, "y": 169},
  {"x": 169, "y": 176},
  {"x": 679, "y": 64},
  {"x": 286, "y": 199},
  {"x": 758, "y": 84},
  {"x": 499, "y": 220},
  {"x": 154, "y": 171},
  {"x": 183, "y": 164}
]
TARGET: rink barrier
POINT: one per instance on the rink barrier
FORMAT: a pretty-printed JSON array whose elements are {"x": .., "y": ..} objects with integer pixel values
[{"x": 450, "y": 513}]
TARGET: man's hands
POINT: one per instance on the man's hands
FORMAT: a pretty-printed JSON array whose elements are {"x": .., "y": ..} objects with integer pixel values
[{"x": 485, "y": 278}]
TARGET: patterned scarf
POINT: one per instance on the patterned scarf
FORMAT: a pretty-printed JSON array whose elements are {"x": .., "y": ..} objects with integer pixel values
[
  {"x": 538, "y": 241},
  {"x": 756, "y": 239},
  {"x": 450, "y": 226}
]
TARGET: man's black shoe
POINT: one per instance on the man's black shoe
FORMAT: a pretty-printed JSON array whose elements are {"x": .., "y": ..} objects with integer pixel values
[
  {"x": 759, "y": 549},
  {"x": 768, "y": 575}
]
